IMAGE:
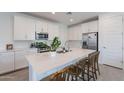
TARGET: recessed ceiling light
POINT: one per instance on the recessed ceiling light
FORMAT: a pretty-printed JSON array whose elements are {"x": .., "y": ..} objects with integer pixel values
[
  {"x": 53, "y": 13},
  {"x": 71, "y": 20}
]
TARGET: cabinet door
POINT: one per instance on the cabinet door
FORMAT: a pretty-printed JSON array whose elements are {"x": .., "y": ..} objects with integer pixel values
[
  {"x": 93, "y": 26},
  {"x": 20, "y": 28},
  {"x": 24, "y": 28},
  {"x": 63, "y": 34},
  {"x": 71, "y": 33},
  {"x": 111, "y": 46},
  {"x": 20, "y": 60},
  {"x": 85, "y": 27},
  {"x": 78, "y": 32},
  {"x": 6, "y": 62},
  {"x": 53, "y": 30},
  {"x": 41, "y": 26},
  {"x": 75, "y": 33},
  {"x": 30, "y": 33}
]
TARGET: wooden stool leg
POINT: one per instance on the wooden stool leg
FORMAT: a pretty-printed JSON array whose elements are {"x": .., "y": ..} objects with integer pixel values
[
  {"x": 68, "y": 76},
  {"x": 95, "y": 70},
  {"x": 88, "y": 73},
  {"x": 76, "y": 78},
  {"x": 93, "y": 73},
  {"x": 83, "y": 72},
  {"x": 98, "y": 68}
]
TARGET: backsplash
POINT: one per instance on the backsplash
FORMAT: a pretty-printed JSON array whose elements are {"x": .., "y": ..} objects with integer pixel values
[
  {"x": 75, "y": 43},
  {"x": 22, "y": 44}
]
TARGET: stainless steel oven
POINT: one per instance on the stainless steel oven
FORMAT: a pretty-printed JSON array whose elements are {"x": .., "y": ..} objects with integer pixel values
[{"x": 41, "y": 36}]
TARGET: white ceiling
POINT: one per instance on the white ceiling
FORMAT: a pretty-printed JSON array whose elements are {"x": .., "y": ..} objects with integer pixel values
[{"x": 64, "y": 18}]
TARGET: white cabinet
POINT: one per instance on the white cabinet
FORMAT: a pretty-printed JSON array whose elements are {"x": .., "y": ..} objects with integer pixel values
[
  {"x": 13, "y": 60},
  {"x": 53, "y": 30},
  {"x": 85, "y": 27},
  {"x": 20, "y": 60},
  {"x": 71, "y": 34},
  {"x": 93, "y": 26},
  {"x": 90, "y": 27},
  {"x": 63, "y": 30},
  {"x": 41, "y": 26},
  {"x": 75, "y": 33},
  {"x": 6, "y": 62},
  {"x": 24, "y": 28},
  {"x": 48, "y": 27}
]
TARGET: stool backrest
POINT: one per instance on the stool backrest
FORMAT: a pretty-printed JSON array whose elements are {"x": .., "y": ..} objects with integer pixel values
[
  {"x": 91, "y": 58},
  {"x": 97, "y": 56}
]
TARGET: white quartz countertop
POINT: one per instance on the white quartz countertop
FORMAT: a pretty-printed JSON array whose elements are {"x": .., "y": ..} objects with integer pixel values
[
  {"x": 14, "y": 50},
  {"x": 44, "y": 62}
]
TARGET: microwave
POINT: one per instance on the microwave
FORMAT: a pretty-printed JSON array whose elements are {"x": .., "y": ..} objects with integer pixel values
[{"x": 41, "y": 36}]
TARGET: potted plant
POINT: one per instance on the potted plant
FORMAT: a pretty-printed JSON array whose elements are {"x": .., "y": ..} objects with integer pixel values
[
  {"x": 41, "y": 45},
  {"x": 55, "y": 44}
]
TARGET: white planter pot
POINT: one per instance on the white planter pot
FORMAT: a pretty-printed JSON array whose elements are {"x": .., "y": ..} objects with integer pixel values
[{"x": 53, "y": 54}]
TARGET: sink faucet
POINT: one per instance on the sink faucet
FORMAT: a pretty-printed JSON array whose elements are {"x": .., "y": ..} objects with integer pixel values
[{"x": 67, "y": 46}]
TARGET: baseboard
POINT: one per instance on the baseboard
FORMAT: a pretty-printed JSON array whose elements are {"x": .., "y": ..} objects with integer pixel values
[
  {"x": 113, "y": 66},
  {"x": 13, "y": 71}
]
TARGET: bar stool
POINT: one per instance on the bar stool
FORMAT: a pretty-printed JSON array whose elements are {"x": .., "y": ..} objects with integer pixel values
[
  {"x": 96, "y": 61},
  {"x": 73, "y": 72},
  {"x": 60, "y": 75},
  {"x": 92, "y": 65},
  {"x": 81, "y": 67},
  {"x": 96, "y": 65},
  {"x": 89, "y": 66}
]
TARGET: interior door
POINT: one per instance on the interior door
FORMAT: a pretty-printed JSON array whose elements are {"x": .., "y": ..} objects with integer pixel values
[{"x": 112, "y": 41}]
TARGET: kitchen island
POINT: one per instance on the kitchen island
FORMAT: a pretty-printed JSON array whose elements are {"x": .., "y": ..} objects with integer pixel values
[{"x": 42, "y": 65}]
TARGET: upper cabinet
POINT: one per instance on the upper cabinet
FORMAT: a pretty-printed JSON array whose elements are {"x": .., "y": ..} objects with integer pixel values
[
  {"x": 90, "y": 27},
  {"x": 24, "y": 28},
  {"x": 93, "y": 26},
  {"x": 75, "y": 33},
  {"x": 41, "y": 26},
  {"x": 53, "y": 30},
  {"x": 85, "y": 27},
  {"x": 63, "y": 30}
]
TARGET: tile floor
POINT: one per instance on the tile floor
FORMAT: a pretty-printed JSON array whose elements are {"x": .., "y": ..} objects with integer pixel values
[{"x": 107, "y": 74}]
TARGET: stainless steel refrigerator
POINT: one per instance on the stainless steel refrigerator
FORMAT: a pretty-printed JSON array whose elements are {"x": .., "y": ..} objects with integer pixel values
[{"x": 90, "y": 40}]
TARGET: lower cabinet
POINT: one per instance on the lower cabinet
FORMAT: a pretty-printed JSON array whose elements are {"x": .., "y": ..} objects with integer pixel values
[
  {"x": 6, "y": 62},
  {"x": 10, "y": 61},
  {"x": 20, "y": 60}
]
